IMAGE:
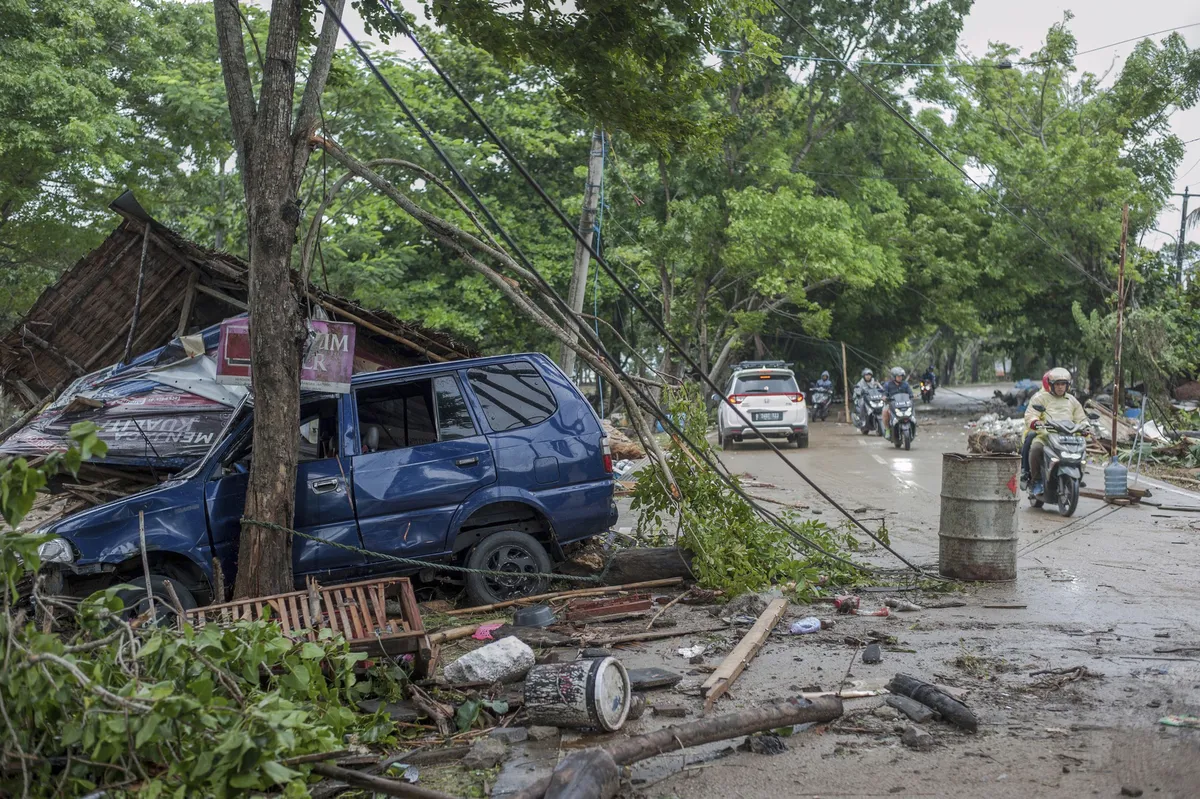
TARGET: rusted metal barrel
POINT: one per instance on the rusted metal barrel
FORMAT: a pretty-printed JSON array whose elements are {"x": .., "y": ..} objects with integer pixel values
[{"x": 977, "y": 536}]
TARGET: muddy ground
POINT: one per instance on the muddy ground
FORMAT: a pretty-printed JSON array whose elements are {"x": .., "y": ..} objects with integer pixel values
[{"x": 1107, "y": 590}]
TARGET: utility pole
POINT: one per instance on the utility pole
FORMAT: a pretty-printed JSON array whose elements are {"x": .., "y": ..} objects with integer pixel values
[
  {"x": 1182, "y": 240},
  {"x": 587, "y": 227},
  {"x": 1116, "y": 400}
]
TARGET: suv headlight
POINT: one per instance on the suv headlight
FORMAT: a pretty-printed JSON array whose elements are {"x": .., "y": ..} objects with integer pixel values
[{"x": 56, "y": 550}]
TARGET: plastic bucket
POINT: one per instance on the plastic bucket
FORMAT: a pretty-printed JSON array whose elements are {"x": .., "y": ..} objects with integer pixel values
[
  {"x": 582, "y": 693},
  {"x": 977, "y": 533}
]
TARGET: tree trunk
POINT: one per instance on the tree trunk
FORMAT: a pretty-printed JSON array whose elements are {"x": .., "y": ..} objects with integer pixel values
[
  {"x": 951, "y": 358},
  {"x": 272, "y": 139},
  {"x": 975, "y": 363},
  {"x": 577, "y": 291}
]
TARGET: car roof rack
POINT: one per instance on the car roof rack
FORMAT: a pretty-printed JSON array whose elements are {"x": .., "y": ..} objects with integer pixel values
[{"x": 761, "y": 365}]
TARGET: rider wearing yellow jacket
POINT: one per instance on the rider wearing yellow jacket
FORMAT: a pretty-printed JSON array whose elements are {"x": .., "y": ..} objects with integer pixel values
[{"x": 1059, "y": 406}]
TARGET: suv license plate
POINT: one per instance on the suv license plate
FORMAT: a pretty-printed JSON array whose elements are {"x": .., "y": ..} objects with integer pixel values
[{"x": 767, "y": 416}]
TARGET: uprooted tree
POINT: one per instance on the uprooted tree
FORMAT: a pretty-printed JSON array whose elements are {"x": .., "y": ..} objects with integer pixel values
[{"x": 647, "y": 54}]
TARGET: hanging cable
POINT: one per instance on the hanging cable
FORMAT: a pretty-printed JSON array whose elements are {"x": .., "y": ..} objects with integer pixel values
[{"x": 620, "y": 284}]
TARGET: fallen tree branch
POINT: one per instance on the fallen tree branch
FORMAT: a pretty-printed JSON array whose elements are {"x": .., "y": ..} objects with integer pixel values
[
  {"x": 377, "y": 784},
  {"x": 780, "y": 713}
]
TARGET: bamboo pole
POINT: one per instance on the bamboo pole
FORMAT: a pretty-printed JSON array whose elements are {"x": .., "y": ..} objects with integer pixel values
[
  {"x": 845, "y": 384},
  {"x": 599, "y": 591}
]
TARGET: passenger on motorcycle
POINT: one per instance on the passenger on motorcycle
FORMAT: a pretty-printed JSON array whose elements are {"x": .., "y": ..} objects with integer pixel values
[
  {"x": 1060, "y": 406},
  {"x": 897, "y": 385},
  {"x": 824, "y": 384},
  {"x": 861, "y": 388},
  {"x": 1037, "y": 399}
]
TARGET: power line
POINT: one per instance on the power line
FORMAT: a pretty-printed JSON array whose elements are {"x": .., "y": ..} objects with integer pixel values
[
  {"x": 929, "y": 142},
  {"x": 865, "y": 62},
  {"x": 655, "y": 322},
  {"x": 1132, "y": 39}
]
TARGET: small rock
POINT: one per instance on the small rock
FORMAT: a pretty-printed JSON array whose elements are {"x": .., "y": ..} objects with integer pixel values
[
  {"x": 646, "y": 679},
  {"x": 1162, "y": 635},
  {"x": 506, "y": 660},
  {"x": 872, "y": 654},
  {"x": 696, "y": 659},
  {"x": 1130, "y": 791},
  {"x": 485, "y": 753},
  {"x": 670, "y": 711},
  {"x": 918, "y": 739},
  {"x": 512, "y": 735},
  {"x": 540, "y": 733},
  {"x": 767, "y": 744},
  {"x": 911, "y": 708},
  {"x": 886, "y": 712},
  {"x": 744, "y": 605},
  {"x": 1154, "y": 703}
]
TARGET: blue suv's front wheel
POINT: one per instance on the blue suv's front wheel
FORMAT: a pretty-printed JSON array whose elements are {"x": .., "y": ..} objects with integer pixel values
[{"x": 522, "y": 563}]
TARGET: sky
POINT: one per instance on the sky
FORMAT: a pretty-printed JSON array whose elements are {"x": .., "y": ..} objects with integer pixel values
[{"x": 1096, "y": 24}]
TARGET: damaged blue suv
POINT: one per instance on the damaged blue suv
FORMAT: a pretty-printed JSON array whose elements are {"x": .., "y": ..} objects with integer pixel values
[{"x": 493, "y": 463}]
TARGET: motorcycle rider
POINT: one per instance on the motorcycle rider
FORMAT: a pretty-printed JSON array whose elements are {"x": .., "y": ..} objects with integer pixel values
[
  {"x": 824, "y": 384},
  {"x": 1037, "y": 399},
  {"x": 897, "y": 385},
  {"x": 1059, "y": 406},
  {"x": 930, "y": 376},
  {"x": 861, "y": 388}
]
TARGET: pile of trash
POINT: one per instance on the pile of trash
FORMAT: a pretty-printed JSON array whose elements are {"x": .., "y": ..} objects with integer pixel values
[{"x": 992, "y": 433}]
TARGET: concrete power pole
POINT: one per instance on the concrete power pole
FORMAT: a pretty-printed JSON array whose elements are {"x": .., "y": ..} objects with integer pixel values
[
  {"x": 587, "y": 224},
  {"x": 1182, "y": 240}
]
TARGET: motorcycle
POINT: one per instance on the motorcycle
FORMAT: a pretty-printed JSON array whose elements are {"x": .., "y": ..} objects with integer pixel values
[
  {"x": 904, "y": 424},
  {"x": 871, "y": 417},
  {"x": 927, "y": 389},
  {"x": 1063, "y": 462},
  {"x": 821, "y": 398}
]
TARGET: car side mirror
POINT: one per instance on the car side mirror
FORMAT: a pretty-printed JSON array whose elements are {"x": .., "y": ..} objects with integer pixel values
[{"x": 1040, "y": 408}]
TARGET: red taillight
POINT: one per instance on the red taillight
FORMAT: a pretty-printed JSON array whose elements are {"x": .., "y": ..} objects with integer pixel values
[
  {"x": 734, "y": 399},
  {"x": 797, "y": 397},
  {"x": 606, "y": 451}
]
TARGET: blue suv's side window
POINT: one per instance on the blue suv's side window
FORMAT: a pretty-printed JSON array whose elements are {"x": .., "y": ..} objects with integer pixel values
[{"x": 512, "y": 395}]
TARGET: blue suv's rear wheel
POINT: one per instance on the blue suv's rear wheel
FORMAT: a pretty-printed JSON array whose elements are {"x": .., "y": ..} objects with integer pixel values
[{"x": 523, "y": 560}]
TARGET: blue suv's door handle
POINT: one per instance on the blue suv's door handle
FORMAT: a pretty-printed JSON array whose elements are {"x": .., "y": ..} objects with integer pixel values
[
  {"x": 325, "y": 486},
  {"x": 463, "y": 463}
]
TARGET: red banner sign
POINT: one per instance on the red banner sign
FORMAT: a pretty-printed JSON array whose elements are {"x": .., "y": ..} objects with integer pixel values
[{"x": 328, "y": 355}]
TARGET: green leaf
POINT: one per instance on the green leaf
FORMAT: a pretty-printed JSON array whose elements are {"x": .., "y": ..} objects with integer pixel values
[
  {"x": 278, "y": 773},
  {"x": 311, "y": 651},
  {"x": 467, "y": 714}
]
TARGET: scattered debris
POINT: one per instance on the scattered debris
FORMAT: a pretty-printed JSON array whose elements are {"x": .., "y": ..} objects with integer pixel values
[
  {"x": 649, "y": 679},
  {"x": 585, "y": 693},
  {"x": 912, "y": 708},
  {"x": 1005, "y": 607},
  {"x": 735, "y": 662},
  {"x": 622, "y": 446},
  {"x": 542, "y": 732},
  {"x": 1057, "y": 678},
  {"x": 805, "y": 626},
  {"x": 536, "y": 616},
  {"x": 1190, "y": 722},
  {"x": 916, "y": 738},
  {"x": 528, "y": 600},
  {"x": 669, "y": 711},
  {"x": 887, "y": 712},
  {"x": 510, "y": 735},
  {"x": 690, "y": 652},
  {"x": 764, "y": 744},
  {"x": 607, "y": 609},
  {"x": 1127, "y": 790},
  {"x": 484, "y": 631},
  {"x": 872, "y": 654},
  {"x": 485, "y": 753},
  {"x": 506, "y": 660},
  {"x": 902, "y": 605},
  {"x": 950, "y": 709}
]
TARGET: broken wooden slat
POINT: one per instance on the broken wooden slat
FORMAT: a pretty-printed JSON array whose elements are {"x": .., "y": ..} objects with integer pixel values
[{"x": 736, "y": 661}]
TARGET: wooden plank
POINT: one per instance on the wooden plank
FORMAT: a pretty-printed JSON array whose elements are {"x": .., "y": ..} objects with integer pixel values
[
  {"x": 330, "y": 611},
  {"x": 612, "y": 589},
  {"x": 378, "y": 604},
  {"x": 365, "y": 609},
  {"x": 357, "y": 621},
  {"x": 737, "y": 660}
]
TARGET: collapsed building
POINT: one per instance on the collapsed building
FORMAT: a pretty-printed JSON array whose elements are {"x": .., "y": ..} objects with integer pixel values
[{"x": 126, "y": 338}]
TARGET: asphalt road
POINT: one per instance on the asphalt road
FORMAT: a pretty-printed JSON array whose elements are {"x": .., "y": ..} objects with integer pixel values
[{"x": 1107, "y": 590}]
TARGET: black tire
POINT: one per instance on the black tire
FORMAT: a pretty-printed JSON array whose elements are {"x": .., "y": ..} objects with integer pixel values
[
  {"x": 1068, "y": 496},
  {"x": 802, "y": 442},
  {"x": 864, "y": 431},
  {"x": 907, "y": 440},
  {"x": 896, "y": 438},
  {"x": 507, "y": 551},
  {"x": 137, "y": 603},
  {"x": 730, "y": 444}
]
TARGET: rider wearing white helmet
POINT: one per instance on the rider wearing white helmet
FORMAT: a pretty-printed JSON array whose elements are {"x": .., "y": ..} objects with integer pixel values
[
  {"x": 1059, "y": 406},
  {"x": 897, "y": 385}
]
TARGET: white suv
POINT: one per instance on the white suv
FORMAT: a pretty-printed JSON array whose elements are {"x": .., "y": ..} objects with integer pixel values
[{"x": 766, "y": 393}]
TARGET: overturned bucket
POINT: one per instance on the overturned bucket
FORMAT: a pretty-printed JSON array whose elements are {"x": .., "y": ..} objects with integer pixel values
[
  {"x": 582, "y": 693},
  {"x": 977, "y": 534}
]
